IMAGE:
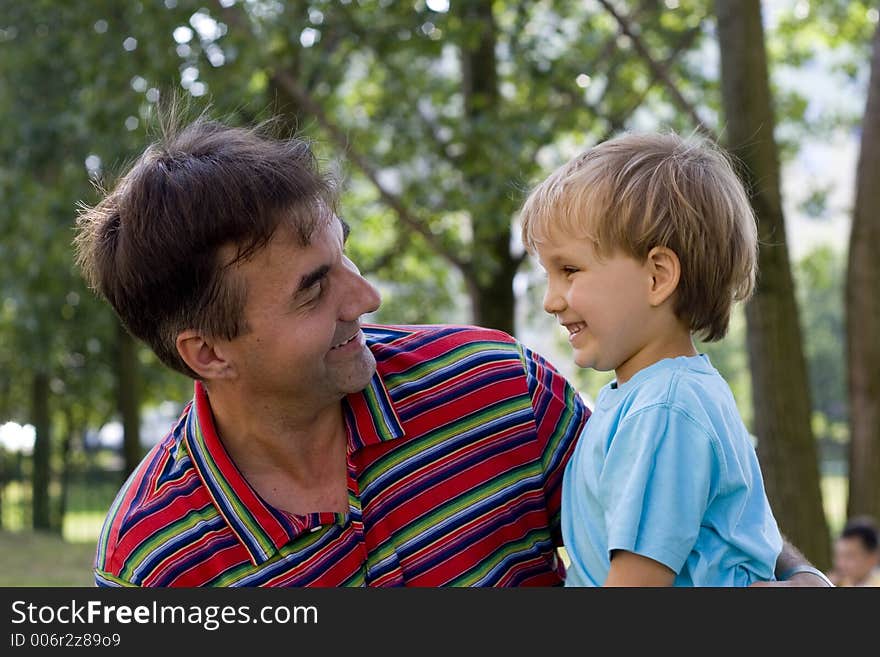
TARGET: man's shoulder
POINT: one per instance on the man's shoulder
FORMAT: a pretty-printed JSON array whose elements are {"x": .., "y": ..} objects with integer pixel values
[
  {"x": 413, "y": 334},
  {"x": 162, "y": 489},
  {"x": 437, "y": 342}
]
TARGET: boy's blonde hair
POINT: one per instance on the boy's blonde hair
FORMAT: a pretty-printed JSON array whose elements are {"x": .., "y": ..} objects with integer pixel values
[{"x": 638, "y": 191}]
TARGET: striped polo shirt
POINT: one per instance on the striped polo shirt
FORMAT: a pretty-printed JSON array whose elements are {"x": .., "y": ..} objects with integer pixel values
[{"x": 456, "y": 452}]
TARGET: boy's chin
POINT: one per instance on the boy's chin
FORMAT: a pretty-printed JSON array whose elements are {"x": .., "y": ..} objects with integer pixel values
[{"x": 587, "y": 361}]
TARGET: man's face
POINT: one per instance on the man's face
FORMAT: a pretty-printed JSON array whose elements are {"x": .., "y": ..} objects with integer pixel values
[
  {"x": 852, "y": 560},
  {"x": 303, "y": 344}
]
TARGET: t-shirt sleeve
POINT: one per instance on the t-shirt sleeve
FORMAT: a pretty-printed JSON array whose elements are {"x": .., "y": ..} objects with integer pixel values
[
  {"x": 655, "y": 484},
  {"x": 560, "y": 415}
]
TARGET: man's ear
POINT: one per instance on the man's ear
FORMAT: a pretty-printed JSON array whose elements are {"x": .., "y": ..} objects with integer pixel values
[
  {"x": 202, "y": 356},
  {"x": 664, "y": 268}
]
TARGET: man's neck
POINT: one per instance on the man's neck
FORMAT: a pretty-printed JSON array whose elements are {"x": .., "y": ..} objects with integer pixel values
[{"x": 295, "y": 458}]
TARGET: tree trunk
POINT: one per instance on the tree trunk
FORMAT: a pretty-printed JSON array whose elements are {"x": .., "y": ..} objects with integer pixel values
[
  {"x": 72, "y": 434},
  {"x": 128, "y": 387},
  {"x": 42, "y": 451},
  {"x": 490, "y": 278},
  {"x": 780, "y": 389},
  {"x": 493, "y": 302},
  {"x": 863, "y": 312}
]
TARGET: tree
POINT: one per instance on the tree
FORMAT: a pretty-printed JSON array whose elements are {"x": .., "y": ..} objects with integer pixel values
[
  {"x": 863, "y": 311},
  {"x": 819, "y": 277},
  {"x": 780, "y": 393},
  {"x": 449, "y": 114},
  {"x": 64, "y": 112}
]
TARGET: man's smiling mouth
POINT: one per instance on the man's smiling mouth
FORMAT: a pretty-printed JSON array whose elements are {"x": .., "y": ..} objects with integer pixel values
[{"x": 345, "y": 342}]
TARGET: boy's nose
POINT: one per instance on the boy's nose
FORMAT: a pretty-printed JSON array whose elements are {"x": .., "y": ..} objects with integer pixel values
[{"x": 553, "y": 303}]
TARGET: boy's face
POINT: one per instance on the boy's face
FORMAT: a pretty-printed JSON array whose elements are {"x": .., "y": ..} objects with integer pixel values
[
  {"x": 852, "y": 560},
  {"x": 602, "y": 302}
]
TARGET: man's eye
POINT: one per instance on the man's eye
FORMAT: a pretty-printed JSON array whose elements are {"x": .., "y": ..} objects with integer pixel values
[{"x": 314, "y": 291}]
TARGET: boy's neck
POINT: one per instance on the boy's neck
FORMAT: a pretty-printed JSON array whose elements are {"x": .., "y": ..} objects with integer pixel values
[{"x": 669, "y": 345}]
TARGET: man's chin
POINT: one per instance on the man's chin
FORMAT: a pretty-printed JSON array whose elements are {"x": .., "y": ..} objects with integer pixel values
[{"x": 359, "y": 373}]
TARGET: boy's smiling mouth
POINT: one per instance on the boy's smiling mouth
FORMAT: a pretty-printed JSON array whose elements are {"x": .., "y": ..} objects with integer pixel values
[{"x": 574, "y": 328}]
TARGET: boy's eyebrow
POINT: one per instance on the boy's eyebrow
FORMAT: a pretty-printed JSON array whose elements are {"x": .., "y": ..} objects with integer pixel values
[{"x": 308, "y": 280}]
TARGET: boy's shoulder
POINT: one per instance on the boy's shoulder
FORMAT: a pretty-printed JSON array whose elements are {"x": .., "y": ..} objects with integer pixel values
[
  {"x": 687, "y": 385},
  {"x": 683, "y": 381}
]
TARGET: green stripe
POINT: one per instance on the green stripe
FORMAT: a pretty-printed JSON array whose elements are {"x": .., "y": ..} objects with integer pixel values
[
  {"x": 239, "y": 509},
  {"x": 378, "y": 417},
  {"x": 110, "y": 519},
  {"x": 471, "y": 577},
  {"x": 113, "y": 578},
  {"x": 468, "y": 500},
  {"x": 417, "y": 447},
  {"x": 303, "y": 542},
  {"x": 561, "y": 429},
  {"x": 168, "y": 533},
  {"x": 450, "y": 508},
  {"x": 424, "y": 369}
]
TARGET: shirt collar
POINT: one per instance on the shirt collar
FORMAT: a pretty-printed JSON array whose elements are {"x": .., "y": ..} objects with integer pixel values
[
  {"x": 262, "y": 529},
  {"x": 370, "y": 416}
]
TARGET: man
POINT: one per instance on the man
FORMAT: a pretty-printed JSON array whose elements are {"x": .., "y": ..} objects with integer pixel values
[{"x": 316, "y": 451}]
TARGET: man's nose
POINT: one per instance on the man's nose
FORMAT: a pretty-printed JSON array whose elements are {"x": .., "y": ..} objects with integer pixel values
[{"x": 362, "y": 296}]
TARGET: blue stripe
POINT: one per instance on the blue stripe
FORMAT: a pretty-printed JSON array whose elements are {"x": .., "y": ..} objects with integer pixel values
[
  {"x": 191, "y": 535},
  {"x": 218, "y": 494},
  {"x": 438, "y": 451},
  {"x": 472, "y": 361}
]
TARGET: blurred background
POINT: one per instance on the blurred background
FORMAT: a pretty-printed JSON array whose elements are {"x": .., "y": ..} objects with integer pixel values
[{"x": 438, "y": 116}]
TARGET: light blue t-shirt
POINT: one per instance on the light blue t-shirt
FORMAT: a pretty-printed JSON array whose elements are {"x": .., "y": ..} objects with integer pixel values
[{"x": 665, "y": 468}]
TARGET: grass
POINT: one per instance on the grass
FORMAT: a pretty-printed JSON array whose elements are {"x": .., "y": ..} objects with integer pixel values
[
  {"x": 40, "y": 559},
  {"x": 87, "y": 506},
  {"x": 834, "y": 494}
]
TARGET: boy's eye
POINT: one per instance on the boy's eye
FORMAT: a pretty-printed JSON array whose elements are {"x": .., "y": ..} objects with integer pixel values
[{"x": 570, "y": 270}]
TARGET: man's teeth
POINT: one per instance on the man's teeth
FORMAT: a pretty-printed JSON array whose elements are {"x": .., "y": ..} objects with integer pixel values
[{"x": 342, "y": 344}]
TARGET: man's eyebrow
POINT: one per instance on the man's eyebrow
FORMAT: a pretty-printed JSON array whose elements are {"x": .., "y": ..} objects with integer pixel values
[{"x": 312, "y": 277}]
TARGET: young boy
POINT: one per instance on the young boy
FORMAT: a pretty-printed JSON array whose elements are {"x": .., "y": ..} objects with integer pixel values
[
  {"x": 856, "y": 554},
  {"x": 648, "y": 240}
]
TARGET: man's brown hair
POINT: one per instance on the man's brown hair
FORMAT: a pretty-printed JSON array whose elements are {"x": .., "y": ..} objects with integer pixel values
[
  {"x": 152, "y": 245},
  {"x": 639, "y": 191}
]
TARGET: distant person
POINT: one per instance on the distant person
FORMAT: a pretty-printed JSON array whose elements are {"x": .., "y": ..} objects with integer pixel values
[
  {"x": 856, "y": 554},
  {"x": 647, "y": 241},
  {"x": 317, "y": 450}
]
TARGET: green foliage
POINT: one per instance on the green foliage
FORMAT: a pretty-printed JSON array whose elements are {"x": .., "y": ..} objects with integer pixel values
[
  {"x": 820, "y": 281},
  {"x": 79, "y": 84},
  {"x": 730, "y": 357},
  {"x": 71, "y": 107},
  {"x": 832, "y": 35}
]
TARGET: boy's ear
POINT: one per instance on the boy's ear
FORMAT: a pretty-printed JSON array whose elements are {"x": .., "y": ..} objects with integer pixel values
[
  {"x": 202, "y": 356},
  {"x": 664, "y": 268}
]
